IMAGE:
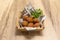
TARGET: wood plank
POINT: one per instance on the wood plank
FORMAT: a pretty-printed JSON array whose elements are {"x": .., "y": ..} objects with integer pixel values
[{"x": 11, "y": 33}]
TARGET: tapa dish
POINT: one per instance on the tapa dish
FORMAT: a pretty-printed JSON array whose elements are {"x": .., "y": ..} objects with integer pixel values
[{"x": 31, "y": 19}]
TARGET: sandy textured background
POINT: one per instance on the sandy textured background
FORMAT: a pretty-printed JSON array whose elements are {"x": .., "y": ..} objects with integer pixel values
[{"x": 8, "y": 14}]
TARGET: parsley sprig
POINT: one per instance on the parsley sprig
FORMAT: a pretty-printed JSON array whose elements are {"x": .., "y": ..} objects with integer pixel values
[{"x": 36, "y": 13}]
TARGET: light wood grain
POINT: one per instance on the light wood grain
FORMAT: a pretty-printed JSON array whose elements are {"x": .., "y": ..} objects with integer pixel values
[{"x": 9, "y": 12}]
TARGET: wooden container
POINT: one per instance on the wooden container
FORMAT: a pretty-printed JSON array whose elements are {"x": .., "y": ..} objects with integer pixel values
[{"x": 22, "y": 28}]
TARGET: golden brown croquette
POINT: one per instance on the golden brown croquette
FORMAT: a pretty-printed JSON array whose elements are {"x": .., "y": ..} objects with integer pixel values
[
  {"x": 36, "y": 25},
  {"x": 24, "y": 23},
  {"x": 30, "y": 25},
  {"x": 35, "y": 20}
]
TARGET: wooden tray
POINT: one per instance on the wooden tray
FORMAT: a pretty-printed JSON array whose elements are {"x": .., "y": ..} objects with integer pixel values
[{"x": 22, "y": 28}]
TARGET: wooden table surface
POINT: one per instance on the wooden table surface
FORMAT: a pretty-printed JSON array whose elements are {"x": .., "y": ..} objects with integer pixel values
[{"x": 9, "y": 10}]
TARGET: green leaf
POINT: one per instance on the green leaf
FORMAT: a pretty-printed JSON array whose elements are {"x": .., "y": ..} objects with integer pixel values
[{"x": 36, "y": 13}]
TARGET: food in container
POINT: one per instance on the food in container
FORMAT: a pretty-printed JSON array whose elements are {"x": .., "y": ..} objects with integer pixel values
[{"x": 31, "y": 19}]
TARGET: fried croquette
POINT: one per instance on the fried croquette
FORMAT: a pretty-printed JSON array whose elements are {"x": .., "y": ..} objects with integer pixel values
[
  {"x": 35, "y": 20},
  {"x": 30, "y": 19},
  {"x": 36, "y": 25},
  {"x": 25, "y": 17},
  {"x": 30, "y": 25},
  {"x": 24, "y": 23}
]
